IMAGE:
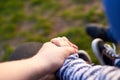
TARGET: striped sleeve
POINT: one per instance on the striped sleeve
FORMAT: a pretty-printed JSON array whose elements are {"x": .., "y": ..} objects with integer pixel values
[{"x": 75, "y": 68}]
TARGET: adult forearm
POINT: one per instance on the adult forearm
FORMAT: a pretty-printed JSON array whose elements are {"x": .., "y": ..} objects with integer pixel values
[{"x": 27, "y": 69}]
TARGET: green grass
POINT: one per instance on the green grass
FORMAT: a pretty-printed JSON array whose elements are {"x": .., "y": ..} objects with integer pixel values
[
  {"x": 78, "y": 13},
  {"x": 9, "y": 51},
  {"x": 7, "y": 32},
  {"x": 79, "y": 1},
  {"x": 46, "y": 6}
]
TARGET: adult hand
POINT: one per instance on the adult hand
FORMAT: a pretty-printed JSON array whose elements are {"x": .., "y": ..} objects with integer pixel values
[{"x": 55, "y": 52}]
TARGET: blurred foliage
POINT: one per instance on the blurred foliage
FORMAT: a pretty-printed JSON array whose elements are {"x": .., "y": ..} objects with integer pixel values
[
  {"x": 37, "y": 20},
  {"x": 78, "y": 13},
  {"x": 7, "y": 32},
  {"x": 8, "y": 51},
  {"x": 79, "y": 1},
  {"x": 48, "y": 5}
]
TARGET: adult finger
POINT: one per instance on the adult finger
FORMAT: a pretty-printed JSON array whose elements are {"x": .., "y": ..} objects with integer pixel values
[{"x": 71, "y": 44}]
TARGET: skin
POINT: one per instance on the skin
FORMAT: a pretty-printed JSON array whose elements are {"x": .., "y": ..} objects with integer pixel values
[
  {"x": 59, "y": 41},
  {"x": 52, "y": 54}
]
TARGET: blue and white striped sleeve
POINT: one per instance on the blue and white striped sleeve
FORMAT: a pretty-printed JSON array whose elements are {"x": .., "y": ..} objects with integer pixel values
[{"x": 75, "y": 68}]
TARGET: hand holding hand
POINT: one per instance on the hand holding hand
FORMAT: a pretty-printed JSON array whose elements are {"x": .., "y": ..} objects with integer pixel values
[{"x": 55, "y": 52}]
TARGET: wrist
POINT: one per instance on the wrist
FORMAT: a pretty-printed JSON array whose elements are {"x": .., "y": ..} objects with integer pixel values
[{"x": 41, "y": 66}]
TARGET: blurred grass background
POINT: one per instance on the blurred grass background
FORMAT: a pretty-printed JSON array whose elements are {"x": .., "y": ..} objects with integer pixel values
[{"x": 40, "y": 20}]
